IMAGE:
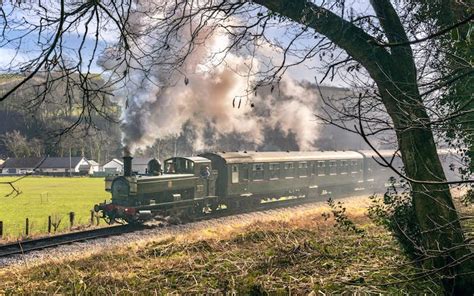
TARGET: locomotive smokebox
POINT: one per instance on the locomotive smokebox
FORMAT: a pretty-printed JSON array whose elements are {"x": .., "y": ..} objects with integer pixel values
[{"x": 127, "y": 163}]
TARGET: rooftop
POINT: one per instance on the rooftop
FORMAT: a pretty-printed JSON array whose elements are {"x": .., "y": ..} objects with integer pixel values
[
  {"x": 22, "y": 163},
  {"x": 60, "y": 162}
]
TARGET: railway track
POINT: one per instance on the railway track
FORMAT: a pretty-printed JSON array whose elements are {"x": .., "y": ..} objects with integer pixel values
[{"x": 23, "y": 247}]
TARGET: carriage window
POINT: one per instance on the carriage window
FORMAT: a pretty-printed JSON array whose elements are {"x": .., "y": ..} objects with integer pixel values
[
  {"x": 321, "y": 168},
  {"x": 289, "y": 170},
  {"x": 369, "y": 166},
  {"x": 274, "y": 169},
  {"x": 332, "y": 167},
  {"x": 235, "y": 174},
  {"x": 303, "y": 169},
  {"x": 354, "y": 167},
  {"x": 257, "y": 170},
  {"x": 344, "y": 167},
  {"x": 244, "y": 172}
]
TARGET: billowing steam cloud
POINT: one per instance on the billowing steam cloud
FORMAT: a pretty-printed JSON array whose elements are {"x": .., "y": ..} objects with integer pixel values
[{"x": 208, "y": 92}]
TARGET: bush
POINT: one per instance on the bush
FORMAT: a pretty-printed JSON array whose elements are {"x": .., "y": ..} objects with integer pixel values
[
  {"x": 396, "y": 213},
  {"x": 468, "y": 198},
  {"x": 342, "y": 221}
]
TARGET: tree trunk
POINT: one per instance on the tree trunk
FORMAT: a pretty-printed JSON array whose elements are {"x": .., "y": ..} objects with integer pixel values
[{"x": 442, "y": 234}]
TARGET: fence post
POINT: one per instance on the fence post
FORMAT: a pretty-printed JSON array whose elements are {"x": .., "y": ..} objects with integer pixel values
[
  {"x": 1, "y": 229},
  {"x": 92, "y": 217},
  {"x": 27, "y": 227},
  {"x": 71, "y": 218},
  {"x": 49, "y": 224}
]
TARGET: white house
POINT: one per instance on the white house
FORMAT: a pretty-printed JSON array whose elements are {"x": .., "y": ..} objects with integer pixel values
[
  {"x": 20, "y": 166},
  {"x": 65, "y": 165},
  {"x": 140, "y": 164},
  {"x": 114, "y": 166},
  {"x": 93, "y": 166}
]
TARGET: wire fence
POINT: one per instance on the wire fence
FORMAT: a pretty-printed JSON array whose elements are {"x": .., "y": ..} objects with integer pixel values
[{"x": 51, "y": 224}]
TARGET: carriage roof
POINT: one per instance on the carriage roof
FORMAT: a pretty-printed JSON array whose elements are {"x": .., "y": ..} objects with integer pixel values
[
  {"x": 253, "y": 156},
  {"x": 195, "y": 159}
]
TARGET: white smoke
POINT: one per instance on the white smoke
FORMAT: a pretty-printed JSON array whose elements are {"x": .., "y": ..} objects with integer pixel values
[{"x": 208, "y": 91}]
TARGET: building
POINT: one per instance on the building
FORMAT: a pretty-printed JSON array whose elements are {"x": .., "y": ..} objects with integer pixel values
[
  {"x": 113, "y": 167},
  {"x": 62, "y": 165},
  {"x": 140, "y": 164},
  {"x": 93, "y": 167},
  {"x": 20, "y": 166}
]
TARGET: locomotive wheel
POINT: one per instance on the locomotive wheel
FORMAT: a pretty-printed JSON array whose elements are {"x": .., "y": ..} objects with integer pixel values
[
  {"x": 109, "y": 219},
  {"x": 198, "y": 209},
  {"x": 249, "y": 203},
  {"x": 213, "y": 206},
  {"x": 174, "y": 220},
  {"x": 190, "y": 213},
  {"x": 133, "y": 222},
  {"x": 256, "y": 202},
  {"x": 232, "y": 205}
]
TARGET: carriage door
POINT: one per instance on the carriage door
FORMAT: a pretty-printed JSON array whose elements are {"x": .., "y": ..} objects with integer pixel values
[{"x": 235, "y": 174}]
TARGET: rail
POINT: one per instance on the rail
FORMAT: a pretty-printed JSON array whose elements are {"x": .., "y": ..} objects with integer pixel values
[{"x": 25, "y": 246}]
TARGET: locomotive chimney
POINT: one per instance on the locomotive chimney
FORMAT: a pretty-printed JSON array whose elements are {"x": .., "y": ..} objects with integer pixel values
[{"x": 127, "y": 163}]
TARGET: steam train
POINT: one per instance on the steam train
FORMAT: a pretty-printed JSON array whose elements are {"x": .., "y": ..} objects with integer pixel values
[{"x": 191, "y": 186}]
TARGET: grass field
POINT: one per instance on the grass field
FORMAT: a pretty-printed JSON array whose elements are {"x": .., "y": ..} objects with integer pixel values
[
  {"x": 48, "y": 196},
  {"x": 286, "y": 253}
]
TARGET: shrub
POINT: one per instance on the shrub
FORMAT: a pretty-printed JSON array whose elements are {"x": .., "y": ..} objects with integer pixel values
[
  {"x": 396, "y": 213},
  {"x": 342, "y": 221}
]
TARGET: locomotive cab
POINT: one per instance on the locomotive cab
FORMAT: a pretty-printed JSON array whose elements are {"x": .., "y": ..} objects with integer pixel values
[
  {"x": 179, "y": 165},
  {"x": 200, "y": 167}
]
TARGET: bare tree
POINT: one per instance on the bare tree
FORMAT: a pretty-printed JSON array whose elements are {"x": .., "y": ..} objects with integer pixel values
[{"x": 17, "y": 144}]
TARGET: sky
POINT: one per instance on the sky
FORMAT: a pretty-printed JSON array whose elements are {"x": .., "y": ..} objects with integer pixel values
[{"x": 30, "y": 49}]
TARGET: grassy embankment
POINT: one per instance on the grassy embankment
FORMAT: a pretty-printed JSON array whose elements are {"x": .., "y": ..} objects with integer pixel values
[
  {"x": 47, "y": 196},
  {"x": 297, "y": 252}
]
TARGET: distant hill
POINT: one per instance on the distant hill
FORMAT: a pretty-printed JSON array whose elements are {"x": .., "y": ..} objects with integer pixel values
[{"x": 40, "y": 111}]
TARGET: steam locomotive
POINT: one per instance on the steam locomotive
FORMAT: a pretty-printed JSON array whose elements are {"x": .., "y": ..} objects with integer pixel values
[{"x": 191, "y": 186}]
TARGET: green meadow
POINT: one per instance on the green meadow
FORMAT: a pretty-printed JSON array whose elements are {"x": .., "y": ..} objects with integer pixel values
[{"x": 48, "y": 196}]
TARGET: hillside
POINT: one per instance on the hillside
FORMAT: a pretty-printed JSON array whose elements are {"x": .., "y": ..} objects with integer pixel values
[{"x": 40, "y": 118}]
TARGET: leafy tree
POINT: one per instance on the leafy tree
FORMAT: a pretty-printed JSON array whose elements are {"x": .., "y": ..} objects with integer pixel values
[{"x": 454, "y": 66}]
